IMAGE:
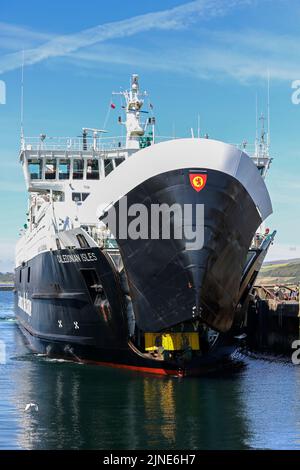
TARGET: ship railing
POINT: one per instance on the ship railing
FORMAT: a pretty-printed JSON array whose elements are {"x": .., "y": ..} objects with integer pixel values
[
  {"x": 104, "y": 143},
  {"x": 101, "y": 235},
  {"x": 76, "y": 144}
]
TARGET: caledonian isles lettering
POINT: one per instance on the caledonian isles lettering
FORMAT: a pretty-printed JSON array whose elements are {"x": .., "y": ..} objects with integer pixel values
[{"x": 76, "y": 258}]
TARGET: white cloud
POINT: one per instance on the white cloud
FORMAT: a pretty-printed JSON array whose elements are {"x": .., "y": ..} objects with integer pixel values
[
  {"x": 174, "y": 18},
  {"x": 15, "y": 37},
  {"x": 240, "y": 54},
  {"x": 202, "y": 61}
]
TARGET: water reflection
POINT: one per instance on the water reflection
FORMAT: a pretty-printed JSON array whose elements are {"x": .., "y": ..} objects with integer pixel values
[
  {"x": 272, "y": 405},
  {"x": 101, "y": 408},
  {"x": 97, "y": 408}
]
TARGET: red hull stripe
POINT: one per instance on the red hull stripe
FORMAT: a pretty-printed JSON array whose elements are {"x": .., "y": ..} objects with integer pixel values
[{"x": 150, "y": 370}]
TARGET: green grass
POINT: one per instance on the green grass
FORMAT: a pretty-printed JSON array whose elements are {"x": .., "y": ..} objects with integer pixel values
[
  {"x": 290, "y": 270},
  {"x": 270, "y": 267}
]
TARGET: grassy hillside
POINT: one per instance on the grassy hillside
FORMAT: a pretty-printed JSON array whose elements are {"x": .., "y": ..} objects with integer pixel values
[
  {"x": 6, "y": 278},
  {"x": 282, "y": 261},
  {"x": 280, "y": 272}
]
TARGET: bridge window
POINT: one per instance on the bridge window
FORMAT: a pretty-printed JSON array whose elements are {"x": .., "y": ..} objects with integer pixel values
[
  {"x": 78, "y": 169},
  {"x": 35, "y": 169},
  {"x": 261, "y": 169},
  {"x": 118, "y": 161},
  {"x": 82, "y": 241},
  {"x": 78, "y": 197},
  {"x": 58, "y": 196},
  {"x": 108, "y": 166},
  {"x": 92, "y": 170},
  {"x": 50, "y": 170},
  {"x": 64, "y": 169}
]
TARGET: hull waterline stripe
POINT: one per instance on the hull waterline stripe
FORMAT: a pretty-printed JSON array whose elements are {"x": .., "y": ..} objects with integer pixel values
[{"x": 151, "y": 370}]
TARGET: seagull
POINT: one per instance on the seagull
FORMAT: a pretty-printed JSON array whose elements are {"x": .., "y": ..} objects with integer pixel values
[{"x": 31, "y": 406}]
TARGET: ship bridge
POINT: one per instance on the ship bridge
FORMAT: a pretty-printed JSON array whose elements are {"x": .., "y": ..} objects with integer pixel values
[
  {"x": 50, "y": 162},
  {"x": 53, "y": 161}
]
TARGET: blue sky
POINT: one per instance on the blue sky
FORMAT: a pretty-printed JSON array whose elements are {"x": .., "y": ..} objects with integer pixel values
[{"x": 207, "y": 57}]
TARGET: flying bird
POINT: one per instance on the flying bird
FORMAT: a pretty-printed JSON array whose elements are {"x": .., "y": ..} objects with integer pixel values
[{"x": 31, "y": 406}]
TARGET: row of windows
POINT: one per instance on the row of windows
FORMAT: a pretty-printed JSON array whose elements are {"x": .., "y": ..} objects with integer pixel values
[
  {"x": 61, "y": 168},
  {"x": 81, "y": 240}
]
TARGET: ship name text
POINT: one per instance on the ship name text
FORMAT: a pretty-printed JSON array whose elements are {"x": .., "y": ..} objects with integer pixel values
[{"x": 76, "y": 258}]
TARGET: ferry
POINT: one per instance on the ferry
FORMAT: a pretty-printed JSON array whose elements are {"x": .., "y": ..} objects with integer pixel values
[{"x": 140, "y": 252}]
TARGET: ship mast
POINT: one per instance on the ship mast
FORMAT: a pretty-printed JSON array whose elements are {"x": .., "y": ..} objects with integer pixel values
[
  {"x": 133, "y": 106},
  {"x": 261, "y": 156}
]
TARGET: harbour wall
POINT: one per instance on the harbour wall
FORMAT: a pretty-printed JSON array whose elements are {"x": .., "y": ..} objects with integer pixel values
[{"x": 272, "y": 323}]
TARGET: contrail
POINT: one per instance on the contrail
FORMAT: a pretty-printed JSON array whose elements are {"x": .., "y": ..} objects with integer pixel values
[{"x": 174, "y": 18}]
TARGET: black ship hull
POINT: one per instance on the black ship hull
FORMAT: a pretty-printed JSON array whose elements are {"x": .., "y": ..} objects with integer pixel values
[
  {"x": 76, "y": 304},
  {"x": 170, "y": 283},
  {"x": 68, "y": 323},
  {"x": 128, "y": 358}
]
